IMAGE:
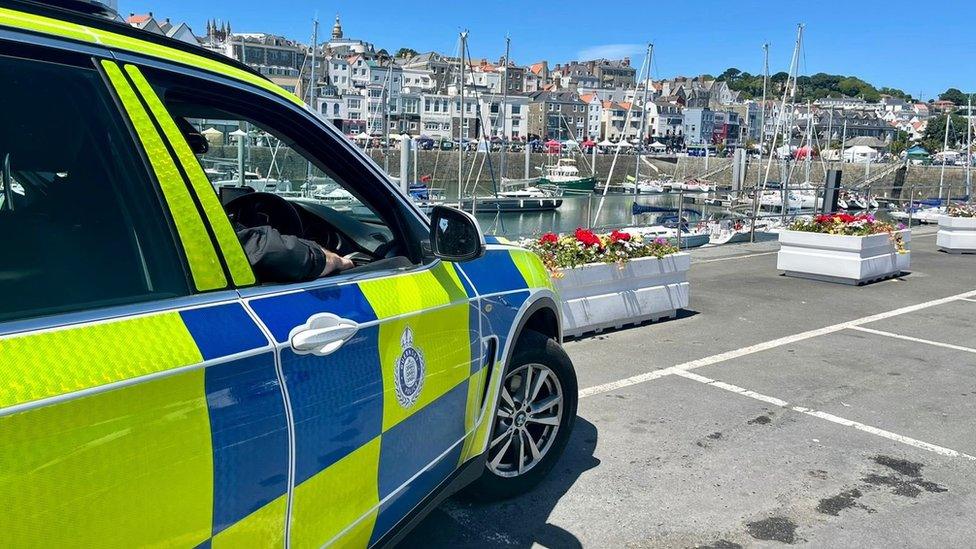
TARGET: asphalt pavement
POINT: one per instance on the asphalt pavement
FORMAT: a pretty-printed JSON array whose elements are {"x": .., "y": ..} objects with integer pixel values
[{"x": 773, "y": 412}]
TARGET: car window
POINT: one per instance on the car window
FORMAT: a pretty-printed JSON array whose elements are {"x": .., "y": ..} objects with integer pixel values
[
  {"x": 80, "y": 223},
  {"x": 247, "y": 146}
]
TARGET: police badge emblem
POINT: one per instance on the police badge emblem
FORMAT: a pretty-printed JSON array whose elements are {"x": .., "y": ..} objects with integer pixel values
[{"x": 408, "y": 371}]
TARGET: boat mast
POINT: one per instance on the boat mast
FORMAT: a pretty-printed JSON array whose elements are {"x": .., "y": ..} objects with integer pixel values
[
  {"x": 969, "y": 145},
  {"x": 945, "y": 147},
  {"x": 311, "y": 96},
  {"x": 843, "y": 139},
  {"x": 504, "y": 113},
  {"x": 643, "y": 124},
  {"x": 762, "y": 114},
  {"x": 809, "y": 157},
  {"x": 464, "y": 40},
  {"x": 762, "y": 141},
  {"x": 385, "y": 103},
  {"x": 794, "y": 65}
]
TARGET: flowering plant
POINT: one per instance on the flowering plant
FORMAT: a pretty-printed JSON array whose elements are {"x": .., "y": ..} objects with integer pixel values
[
  {"x": 850, "y": 225},
  {"x": 962, "y": 210},
  {"x": 585, "y": 246}
]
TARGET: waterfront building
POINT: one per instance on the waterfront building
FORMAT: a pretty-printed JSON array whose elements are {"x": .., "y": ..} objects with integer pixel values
[
  {"x": 483, "y": 77},
  {"x": 574, "y": 75},
  {"x": 726, "y": 128},
  {"x": 512, "y": 124},
  {"x": 435, "y": 116},
  {"x": 557, "y": 115},
  {"x": 443, "y": 69},
  {"x": 513, "y": 76},
  {"x": 698, "y": 126},
  {"x": 749, "y": 115},
  {"x": 666, "y": 121},
  {"x": 619, "y": 121},
  {"x": 613, "y": 73},
  {"x": 594, "y": 111}
]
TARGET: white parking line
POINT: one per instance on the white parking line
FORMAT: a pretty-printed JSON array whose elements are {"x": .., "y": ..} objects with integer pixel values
[
  {"x": 969, "y": 300},
  {"x": 914, "y": 339},
  {"x": 941, "y": 450},
  {"x": 743, "y": 256},
  {"x": 765, "y": 346}
]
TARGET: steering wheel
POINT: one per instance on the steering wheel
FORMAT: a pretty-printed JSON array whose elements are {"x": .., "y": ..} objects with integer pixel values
[{"x": 259, "y": 209}]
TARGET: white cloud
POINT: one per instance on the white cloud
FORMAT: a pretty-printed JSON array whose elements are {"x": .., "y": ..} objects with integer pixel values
[{"x": 611, "y": 51}]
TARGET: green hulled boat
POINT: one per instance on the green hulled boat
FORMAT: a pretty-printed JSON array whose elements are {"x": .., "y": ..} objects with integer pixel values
[{"x": 565, "y": 175}]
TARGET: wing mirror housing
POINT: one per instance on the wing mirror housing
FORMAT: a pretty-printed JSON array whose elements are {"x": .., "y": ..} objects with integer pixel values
[{"x": 455, "y": 235}]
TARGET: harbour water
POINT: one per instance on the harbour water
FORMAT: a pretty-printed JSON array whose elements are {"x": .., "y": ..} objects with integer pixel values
[{"x": 579, "y": 211}]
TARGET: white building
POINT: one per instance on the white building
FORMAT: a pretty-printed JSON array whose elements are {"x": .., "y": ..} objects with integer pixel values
[
  {"x": 513, "y": 123},
  {"x": 594, "y": 112},
  {"x": 665, "y": 120},
  {"x": 699, "y": 124}
]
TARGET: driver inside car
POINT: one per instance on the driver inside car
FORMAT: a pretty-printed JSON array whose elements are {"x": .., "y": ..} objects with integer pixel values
[{"x": 277, "y": 257}]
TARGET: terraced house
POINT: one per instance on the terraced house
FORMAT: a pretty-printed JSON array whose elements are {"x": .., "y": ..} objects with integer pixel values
[{"x": 557, "y": 115}]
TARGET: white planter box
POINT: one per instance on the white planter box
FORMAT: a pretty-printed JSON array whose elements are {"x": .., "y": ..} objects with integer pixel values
[
  {"x": 600, "y": 296},
  {"x": 957, "y": 235},
  {"x": 838, "y": 258}
]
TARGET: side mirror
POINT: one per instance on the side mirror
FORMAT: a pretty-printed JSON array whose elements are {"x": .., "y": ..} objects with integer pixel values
[{"x": 455, "y": 235}]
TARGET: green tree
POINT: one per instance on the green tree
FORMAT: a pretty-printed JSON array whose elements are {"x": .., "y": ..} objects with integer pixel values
[
  {"x": 730, "y": 74},
  {"x": 404, "y": 53},
  {"x": 899, "y": 143},
  {"x": 935, "y": 133},
  {"x": 954, "y": 95},
  {"x": 809, "y": 88}
]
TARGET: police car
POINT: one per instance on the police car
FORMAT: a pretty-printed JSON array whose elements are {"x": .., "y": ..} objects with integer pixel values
[{"x": 155, "y": 392}]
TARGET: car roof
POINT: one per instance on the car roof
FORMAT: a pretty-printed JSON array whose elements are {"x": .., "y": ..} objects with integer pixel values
[{"x": 69, "y": 19}]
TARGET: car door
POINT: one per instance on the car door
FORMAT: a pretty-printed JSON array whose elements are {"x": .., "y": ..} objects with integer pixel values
[
  {"x": 380, "y": 365},
  {"x": 140, "y": 402},
  {"x": 379, "y": 420}
]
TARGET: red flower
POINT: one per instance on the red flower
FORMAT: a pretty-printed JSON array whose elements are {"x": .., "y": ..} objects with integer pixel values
[
  {"x": 548, "y": 238},
  {"x": 618, "y": 236},
  {"x": 587, "y": 237}
]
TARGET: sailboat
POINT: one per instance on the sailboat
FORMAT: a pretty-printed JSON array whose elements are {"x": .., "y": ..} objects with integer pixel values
[{"x": 644, "y": 186}]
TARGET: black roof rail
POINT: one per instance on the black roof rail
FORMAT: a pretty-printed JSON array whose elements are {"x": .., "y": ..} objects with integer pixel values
[
  {"x": 95, "y": 8},
  {"x": 93, "y": 13}
]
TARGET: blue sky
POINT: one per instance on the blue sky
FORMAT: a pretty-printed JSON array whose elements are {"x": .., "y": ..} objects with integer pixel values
[{"x": 918, "y": 47}]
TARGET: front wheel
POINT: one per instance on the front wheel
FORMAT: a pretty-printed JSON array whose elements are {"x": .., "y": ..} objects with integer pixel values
[{"x": 535, "y": 416}]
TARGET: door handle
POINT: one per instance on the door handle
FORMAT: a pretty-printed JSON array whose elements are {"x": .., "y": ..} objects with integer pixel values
[{"x": 322, "y": 334}]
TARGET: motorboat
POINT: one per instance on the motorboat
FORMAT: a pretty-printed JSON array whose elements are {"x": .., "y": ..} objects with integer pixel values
[
  {"x": 919, "y": 214},
  {"x": 514, "y": 199},
  {"x": 680, "y": 234},
  {"x": 565, "y": 175},
  {"x": 692, "y": 186},
  {"x": 255, "y": 181},
  {"x": 644, "y": 186},
  {"x": 733, "y": 230},
  {"x": 773, "y": 200}
]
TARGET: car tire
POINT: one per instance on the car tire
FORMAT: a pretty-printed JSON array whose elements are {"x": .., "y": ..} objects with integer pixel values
[{"x": 515, "y": 420}]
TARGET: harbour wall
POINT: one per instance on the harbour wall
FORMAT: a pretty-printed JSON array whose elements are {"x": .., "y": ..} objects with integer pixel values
[{"x": 477, "y": 170}]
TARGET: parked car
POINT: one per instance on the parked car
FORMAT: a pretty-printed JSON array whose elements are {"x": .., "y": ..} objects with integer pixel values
[{"x": 158, "y": 392}]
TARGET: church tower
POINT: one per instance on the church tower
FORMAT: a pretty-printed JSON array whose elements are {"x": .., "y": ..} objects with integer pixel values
[{"x": 337, "y": 29}]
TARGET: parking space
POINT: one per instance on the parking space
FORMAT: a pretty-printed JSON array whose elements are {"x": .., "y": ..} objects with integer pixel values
[
  {"x": 953, "y": 323},
  {"x": 776, "y": 412}
]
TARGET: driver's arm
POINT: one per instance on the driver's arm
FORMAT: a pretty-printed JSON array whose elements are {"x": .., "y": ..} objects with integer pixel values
[{"x": 285, "y": 258}]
